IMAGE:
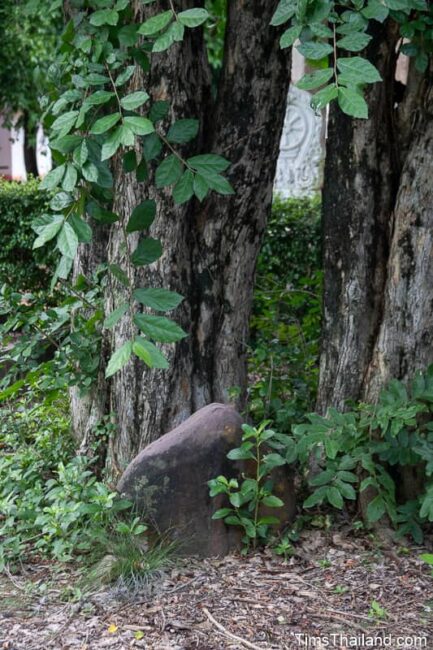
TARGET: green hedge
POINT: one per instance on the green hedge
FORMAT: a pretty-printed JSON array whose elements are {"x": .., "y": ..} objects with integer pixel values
[
  {"x": 285, "y": 324},
  {"x": 20, "y": 266},
  {"x": 291, "y": 246}
]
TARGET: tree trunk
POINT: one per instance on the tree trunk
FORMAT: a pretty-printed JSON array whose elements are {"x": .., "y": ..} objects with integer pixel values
[
  {"x": 30, "y": 146},
  {"x": 210, "y": 249},
  {"x": 362, "y": 173},
  {"x": 378, "y": 248},
  {"x": 404, "y": 343}
]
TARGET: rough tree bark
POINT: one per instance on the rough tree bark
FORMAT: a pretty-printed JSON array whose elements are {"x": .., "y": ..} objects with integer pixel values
[
  {"x": 378, "y": 246},
  {"x": 30, "y": 160},
  {"x": 377, "y": 217},
  {"x": 357, "y": 204},
  {"x": 210, "y": 249}
]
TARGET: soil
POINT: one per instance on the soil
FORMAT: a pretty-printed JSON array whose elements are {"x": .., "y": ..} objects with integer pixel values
[{"x": 337, "y": 591}]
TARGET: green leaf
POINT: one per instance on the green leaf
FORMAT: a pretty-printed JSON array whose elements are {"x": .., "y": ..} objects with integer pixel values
[
  {"x": 316, "y": 498},
  {"x": 100, "y": 214},
  {"x": 128, "y": 34},
  {"x": 321, "y": 30},
  {"x": 322, "y": 478},
  {"x": 81, "y": 228},
  {"x": 127, "y": 137},
  {"x": 159, "y": 299},
  {"x": 139, "y": 125},
  {"x": 375, "y": 10},
  {"x": 193, "y": 17},
  {"x": 184, "y": 188},
  {"x": 284, "y": 11},
  {"x": 314, "y": 50},
  {"x": 65, "y": 122},
  {"x": 53, "y": 178},
  {"x": 142, "y": 216},
  {"x": 320, "y": 99},
  {"x": 149, "y": 353},
  {"x": 273, "y": 460},
  {"x": 147, "y": 252},
  {"x": 155, "y": 24},
  {"x": 354, "y": 42},
  {"x": 65, "y": 144},
  {"x": 70, "y": 178},
  {"x": 375, "y": 509},
  {"x": 111, "y": 144},
  {"x": 134, "y": 100},
  {"x": 183, "y": 131},
  {"x": 159, "y": 110},
  {"x": 240, "y": 453},
  {"x": 129, "y": 161},
  {"x": 104, "y": 17},
  {"x": 159, "y": 328},
  {"x": 272, "y": 501},
  {"x": 62, "y": 271},
  {"x": 95, "y": 79},
  {"x": 357, "y": 70},
  {"x": 352, "y": 103},
  {"x": 208, "y": 163},
  {"x": 347, "y": 491},
  {"x": 221, "y": 513},
  {"x": 334, "y": 497},
  {"x": 105, "y": 123},
  {"x": 152, "y": 146},
  {"x": 119, "y": 274},
  {"x": 67, "y": 241},
  {"x": 119, "y": 358},
  {"x": 168, "y": 172},
  {"x": 49, "y": 231},
  {"x": 236, "y": 499},
  {"x": 81, "y": 153},
  {"x": 124, "y": 76},
  {"x": 167, "y": 39},
  {"x": 142, "y": 173},
  {"x": 289, "y": 36},
  {"x": 99, "y": 97},
  {"x": 115, "y": 316},
  {"x": 200, "y": 187},
  {"x": 219, "y": 184},
  {"x": 315, "y": 79},
  {"x": 90, "y": 172}
]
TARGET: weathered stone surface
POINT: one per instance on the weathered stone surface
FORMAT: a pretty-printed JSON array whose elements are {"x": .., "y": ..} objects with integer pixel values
[{"x": 167, "y": 481}]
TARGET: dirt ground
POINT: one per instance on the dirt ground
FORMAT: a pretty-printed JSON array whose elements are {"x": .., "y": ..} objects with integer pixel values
[{"x": 337, "y": 592}]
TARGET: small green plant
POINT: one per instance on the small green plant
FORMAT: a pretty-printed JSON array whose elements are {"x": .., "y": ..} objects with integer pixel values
[
  {"x": 125, "y": 557},
  {"x": 261, "y": 447},
  {"x": 51, "y": 502},
  {"x": 325, "y": 563},
  {"x": 340, "y": 590},
  {"x": 284, "y": 547},
  {"x": 428, "y": 558},
  {"x": 377, "y": 611},
  {"x": 367, "y": 448}
]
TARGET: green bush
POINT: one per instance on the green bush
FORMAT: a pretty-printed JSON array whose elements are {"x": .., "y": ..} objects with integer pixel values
[
  {"x": 20, "y": 203},
  {"x": 51, "y": 502},
  {"x": 285, "y": 325},
  {"x": 370, "y": 448}
]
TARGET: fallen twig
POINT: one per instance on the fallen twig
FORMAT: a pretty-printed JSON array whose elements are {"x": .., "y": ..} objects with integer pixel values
[{"x": 223, "y": 630}]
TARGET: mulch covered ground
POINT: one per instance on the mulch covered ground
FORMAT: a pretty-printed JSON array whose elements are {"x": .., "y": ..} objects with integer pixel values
[{"x": 336, "y": 592}]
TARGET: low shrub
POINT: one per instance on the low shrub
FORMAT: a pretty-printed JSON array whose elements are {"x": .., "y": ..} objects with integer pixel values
[
  {"x": 51, "y": 502},
  {"x": 285, "y": 325},
  {"x": 372, "y": 447},
  {"x": 20, "y": 204}
]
